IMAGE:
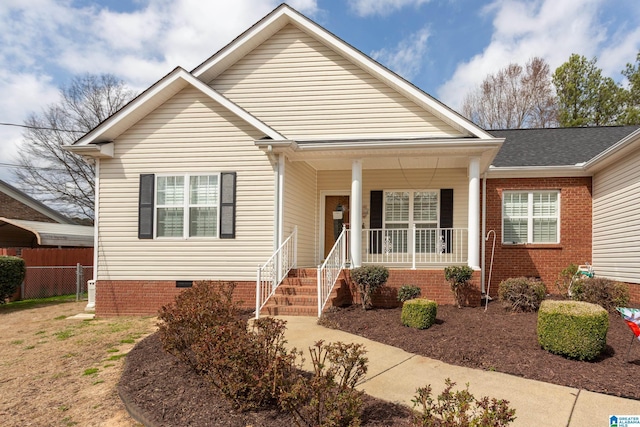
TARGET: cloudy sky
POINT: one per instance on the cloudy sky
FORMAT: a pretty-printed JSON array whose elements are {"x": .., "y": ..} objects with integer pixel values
[{"x": 445, "y": 47}]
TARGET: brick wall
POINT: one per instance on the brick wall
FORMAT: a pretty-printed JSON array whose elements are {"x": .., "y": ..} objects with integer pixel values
[
  {"x": 543, "y": 261},
  {"x": 146, "y": 297},
  {"x": 432, "y": 286},
  {"x": 12, "y": 208}
]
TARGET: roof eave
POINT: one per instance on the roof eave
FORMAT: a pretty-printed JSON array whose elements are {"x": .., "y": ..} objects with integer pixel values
[
  {"x": 537, "y": 171},
  {"x": 617, "y": 151}
]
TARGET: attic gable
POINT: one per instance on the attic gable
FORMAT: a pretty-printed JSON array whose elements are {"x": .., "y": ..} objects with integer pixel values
[{"x": 275, "y": 24}]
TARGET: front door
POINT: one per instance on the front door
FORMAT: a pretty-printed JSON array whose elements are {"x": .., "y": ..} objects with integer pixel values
[{"x": 336, "y": 213}]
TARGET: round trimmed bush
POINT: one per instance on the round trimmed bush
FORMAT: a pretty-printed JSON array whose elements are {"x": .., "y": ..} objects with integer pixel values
[
  {"x": 574, "y": 329},
  {"x": 419, "y": 313}
]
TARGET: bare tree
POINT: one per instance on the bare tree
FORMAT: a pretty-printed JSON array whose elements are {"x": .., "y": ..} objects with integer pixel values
[
  {"x": 514, "y": 97},
  {"x": 54, "y": 175}
]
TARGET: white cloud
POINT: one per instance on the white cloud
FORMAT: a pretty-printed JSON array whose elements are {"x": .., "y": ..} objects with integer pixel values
[
  {"x": 549, "y": 29},
  {"x": 44, "y": 42},
  {"x": 406, "y": 58},
  {"x": 381, "y": 7}
]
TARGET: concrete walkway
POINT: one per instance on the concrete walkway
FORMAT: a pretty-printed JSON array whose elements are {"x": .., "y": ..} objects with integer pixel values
[{"x": 394, "y": 375}]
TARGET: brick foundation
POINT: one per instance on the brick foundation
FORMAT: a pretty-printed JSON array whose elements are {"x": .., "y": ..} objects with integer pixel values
[
  {"x": 432, "y": 286},
  {"x": 146, "y": 297}
]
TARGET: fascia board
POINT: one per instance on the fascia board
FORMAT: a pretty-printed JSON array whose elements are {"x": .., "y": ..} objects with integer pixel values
[
  {"x": 537, "y": 172},
  {"x": 616, "y": 152}
]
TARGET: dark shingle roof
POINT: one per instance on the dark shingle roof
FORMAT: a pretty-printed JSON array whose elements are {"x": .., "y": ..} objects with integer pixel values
[{"x": 556, "y": 146}]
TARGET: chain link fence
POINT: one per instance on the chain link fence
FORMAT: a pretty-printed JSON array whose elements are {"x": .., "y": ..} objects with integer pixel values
[{"x": 50, "y": 281}]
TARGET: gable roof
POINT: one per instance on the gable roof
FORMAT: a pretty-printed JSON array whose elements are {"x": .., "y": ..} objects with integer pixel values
[
  {"x": 34, "y": 204},
  {"x": 96, "y": 142},
  {"x": 556, "y": 147},
  {"x": 284, "y": 15}
]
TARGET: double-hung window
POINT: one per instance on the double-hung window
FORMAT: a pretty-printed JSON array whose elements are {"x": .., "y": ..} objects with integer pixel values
[
  {"x": 403, "y": 210},
  {"x": 531, "y": 217},
  {"x": 187, "y": 206}
]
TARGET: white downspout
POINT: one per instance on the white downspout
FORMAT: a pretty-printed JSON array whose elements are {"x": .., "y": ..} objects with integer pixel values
[{"x": 91, "y": 285}]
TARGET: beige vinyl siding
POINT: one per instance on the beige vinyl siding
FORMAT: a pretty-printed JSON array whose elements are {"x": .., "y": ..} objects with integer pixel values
[
  {"x": 410, "y": 179},
  {"x": 616, "y": 220},
  {"x": 306, "y": 91},
  {"x": 188, "y": 134},
  {"x": 300, "y": 209}
]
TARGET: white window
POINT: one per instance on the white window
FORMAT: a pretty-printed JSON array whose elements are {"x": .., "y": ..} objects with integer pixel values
[
  {"x": 187, "y": 206},
  {"x": 403, "y": 210},
  {"x": 530, "y": 217}
]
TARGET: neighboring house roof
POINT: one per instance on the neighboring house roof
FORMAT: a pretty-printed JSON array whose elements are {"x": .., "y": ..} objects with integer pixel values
[
  {"x": 54, "y": 234},
  {"x": 31, "y": 203},
  {"x": 556, "y": 146}
]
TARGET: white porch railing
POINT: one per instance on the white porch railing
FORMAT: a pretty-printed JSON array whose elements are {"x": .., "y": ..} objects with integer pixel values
[
  {"x": 271, "y": 274},
  {"x": 330, "y": 269},
  {"x": 414, "y": 247}
]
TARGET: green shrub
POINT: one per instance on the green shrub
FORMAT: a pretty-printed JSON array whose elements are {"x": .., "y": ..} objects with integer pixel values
[
  {"x": 459, "y": 409},
  {"x": 407, "y": 292},
  {"x": 328, "y": 397},
  {"x": 458, "y": 277},
  {"x": 369, "y": 278},
  {"x": 521, "y": 294},
  {"x": 12, "y": 272},
  {"x": 601, "y": 291},
  {"x": 419, "y": 313},
  {"x": 574, "y": 329}
]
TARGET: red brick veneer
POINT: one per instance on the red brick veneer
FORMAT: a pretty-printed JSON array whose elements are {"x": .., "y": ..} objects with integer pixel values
[
  {"x": 146, "y": 297},
  {"x": 535, "y": 260}
]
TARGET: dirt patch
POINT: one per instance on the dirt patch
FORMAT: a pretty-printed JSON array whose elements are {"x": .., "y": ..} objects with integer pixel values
[{"x": 56, "y": 371}]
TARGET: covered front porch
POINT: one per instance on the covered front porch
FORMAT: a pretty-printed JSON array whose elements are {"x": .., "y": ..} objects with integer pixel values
[{"x": 409, "y": 205}]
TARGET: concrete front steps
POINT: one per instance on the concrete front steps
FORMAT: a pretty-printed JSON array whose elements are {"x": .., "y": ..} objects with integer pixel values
[{"x": 297, "y": 295}]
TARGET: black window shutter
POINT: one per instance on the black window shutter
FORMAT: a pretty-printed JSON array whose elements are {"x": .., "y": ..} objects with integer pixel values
[
  {"x": 375, "y": 221},
  {"x": 228, "y": 205},
  {"x": 145, "y": 206},
  {"x": 446, "y": 217}
]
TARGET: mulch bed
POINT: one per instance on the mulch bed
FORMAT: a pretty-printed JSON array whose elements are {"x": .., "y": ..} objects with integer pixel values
[{"x": 161, "y": 391}]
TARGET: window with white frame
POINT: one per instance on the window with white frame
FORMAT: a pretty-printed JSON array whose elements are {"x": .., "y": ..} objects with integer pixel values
[
  {"x": 403, "y": 210},
  {"x": 530, "y": 217},
  {"x": 187, "y": 206}
]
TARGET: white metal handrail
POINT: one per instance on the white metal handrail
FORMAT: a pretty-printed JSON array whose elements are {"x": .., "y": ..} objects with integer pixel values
[
  {"x": 272, "y": 272},
  {"x": 414, "y": 246},
  {"x": 330, "y": 269}
]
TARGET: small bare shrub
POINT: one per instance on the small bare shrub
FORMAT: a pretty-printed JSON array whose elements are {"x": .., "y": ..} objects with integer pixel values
[
  {"x": 601, "y": 291},
  {"x": 197, "y": 310},
  {"x": 521, "y": 294},
  {"x": 328, "y": 397},
  {"x": 459, "y": 409}
]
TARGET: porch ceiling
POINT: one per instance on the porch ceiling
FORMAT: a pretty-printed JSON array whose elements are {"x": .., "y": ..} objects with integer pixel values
[{"x": 388, "y": 154}]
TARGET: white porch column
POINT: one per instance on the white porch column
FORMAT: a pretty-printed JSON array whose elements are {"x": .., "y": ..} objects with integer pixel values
[
  {"x": 355, "y": 218},
  {"x": 473, "y": 257}
]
